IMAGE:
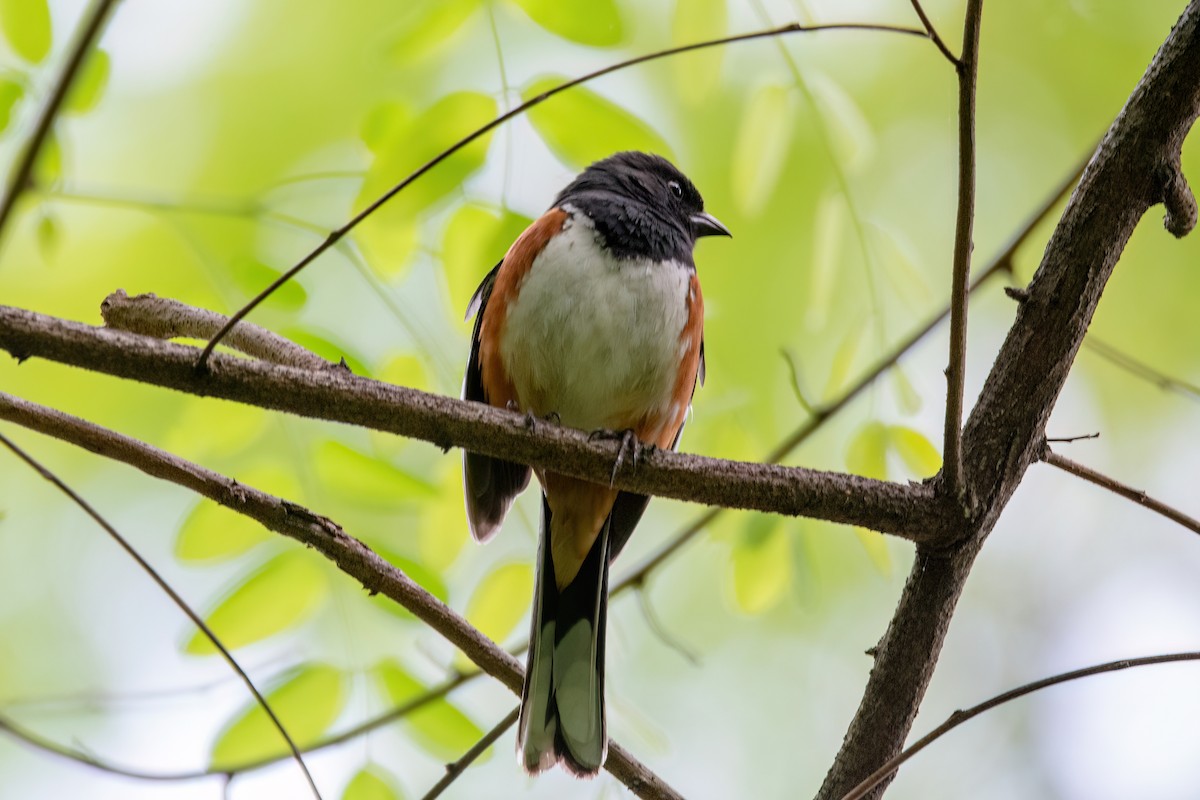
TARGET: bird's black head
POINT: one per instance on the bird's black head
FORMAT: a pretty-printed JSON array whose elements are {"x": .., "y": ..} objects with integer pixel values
[{"x": 643, "y": 207}]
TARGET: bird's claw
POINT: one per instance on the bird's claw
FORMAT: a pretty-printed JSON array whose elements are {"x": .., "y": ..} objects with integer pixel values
[{"x": 631, "y": 448}]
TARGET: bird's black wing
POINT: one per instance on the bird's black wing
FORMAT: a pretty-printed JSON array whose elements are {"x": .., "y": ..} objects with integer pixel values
[{"x": 490, "y": 484}]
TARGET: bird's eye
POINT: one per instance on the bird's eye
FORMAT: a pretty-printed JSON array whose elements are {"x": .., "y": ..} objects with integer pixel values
[{"x": 675, "y": 188}]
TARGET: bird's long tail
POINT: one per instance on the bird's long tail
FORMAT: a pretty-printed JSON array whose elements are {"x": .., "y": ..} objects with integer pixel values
[{"x": 562, "y": 703}]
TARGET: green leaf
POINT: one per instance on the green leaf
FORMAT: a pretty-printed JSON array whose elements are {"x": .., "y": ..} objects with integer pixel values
[
  {"x": 906, "y": 395},
  {"x": 443, "y": 523},
  {"x": 696, "y": 73},
  {"x": 214, "y": 532},
  {"x": 404, "y": 370},
  {"x": 476, "y": 239},
  {"x": 762, "y": 565},
  {"x": 48, "y": 169},
  {"x": 253, "y": 276},
  {"x": 431, "y": 28},
  {"x": 90, "y": 85},
  {"x": 829, "y": 229},
  {"x": 277, "y": 596},
  {"x": 844, "y": 359},
  {"x": 591, "y": 22},
  {"x": 867, "y": 453},
  {"x": 26, "y": 26},
  {"x": 370, "y": 783},
  {"x": 48, "y": 235},
  {"x": 763, "y": 142},
  {"x": 11, "y": 93},
  {"x": 307, "y": 702},
  {"x": 500, "y": 600},
  {"x": 853, "y": 140},
  {"x": 875, "y": 543},
  {"x": 385, "y": 125},
  {"x": 358, "y": 476},
  {"x": 917, "y": 452},
  {"x": 390, "y": 233},
  {"x": 437, "y": 726},
  {"x": 579, "y": 126}
]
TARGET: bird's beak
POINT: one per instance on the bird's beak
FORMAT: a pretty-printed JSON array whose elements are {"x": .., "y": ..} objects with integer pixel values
[{"x": 705, "y": 224}]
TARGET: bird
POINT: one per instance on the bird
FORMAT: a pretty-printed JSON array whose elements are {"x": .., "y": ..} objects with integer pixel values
[{"x": 593, "y": 319}]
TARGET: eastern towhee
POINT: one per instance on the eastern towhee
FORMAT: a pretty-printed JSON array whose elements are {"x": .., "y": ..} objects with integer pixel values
[{"x": 594, "y": 318}]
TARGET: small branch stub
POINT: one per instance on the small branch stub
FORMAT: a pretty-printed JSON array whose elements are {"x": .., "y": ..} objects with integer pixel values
[{"x": 1178, "y": 199}]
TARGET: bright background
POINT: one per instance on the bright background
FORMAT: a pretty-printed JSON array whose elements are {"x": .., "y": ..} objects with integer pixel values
[{"x": 216, "y": 141}]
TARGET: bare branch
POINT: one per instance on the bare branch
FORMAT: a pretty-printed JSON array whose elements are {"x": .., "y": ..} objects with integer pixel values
[
  {"x": 933, "y": 34},
  {"x": 959, "y": 717},
  {"x": 968, "y": 70},
  {"x": 20, "y": 177},
  {"x": 1128, "y": 492},
  {"x": 163, "y": 318},
  {"x": 477, "y": 749},
  {"x": 175, "y": 598},
  {"x": 353, "y": 557},
  {"x": 335, "y": 235},
  {"x": 904, "y": 510}
]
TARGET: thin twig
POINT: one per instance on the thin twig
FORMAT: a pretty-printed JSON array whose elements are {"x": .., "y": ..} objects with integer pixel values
[
  {"x": 1072, "y": 439},
  {"x": 933, "y": 34},
  {"x": 968, "y": 68},
  {"x": 477, "y": 749},
  {"x": 175, "y": 597},
  {"x": 1128, "y": 492},
  {"x": 338, "y": 233},
  {"x": 1142, "y": 370},
  {"x": 20, "y": 178},
  {"x": 959, "y": 717}
]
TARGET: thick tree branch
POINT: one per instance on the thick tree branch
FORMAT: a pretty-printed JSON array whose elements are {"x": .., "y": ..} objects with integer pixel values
[
  {"x": 353, "y": 557},
  {"x": 1004, "y": 432},
  {"x": 909, "y": 511}
]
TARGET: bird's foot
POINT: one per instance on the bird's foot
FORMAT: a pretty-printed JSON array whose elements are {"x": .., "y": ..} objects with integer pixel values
[{"x": 630, "y": 451}]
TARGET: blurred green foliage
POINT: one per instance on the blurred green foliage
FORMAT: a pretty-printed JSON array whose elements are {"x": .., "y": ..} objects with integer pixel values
[{"x": 202, "y": 168}]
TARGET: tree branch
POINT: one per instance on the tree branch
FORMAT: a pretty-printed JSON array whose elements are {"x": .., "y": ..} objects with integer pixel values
[
  {"x": 1128, "y": 492},
  {"x": 477, "y": 749},
  {"x": 956, "y": 372},
  {"x": 904, "y": 510},
  {"x": 959, "y": 717},
  {"x": 20, "y": 178},
  {"x": 337, "y": 234},
  {"x": 1004, "y": 432},
  {"x": 933, "y": 34},
  {"x": 353, "y": 557}
]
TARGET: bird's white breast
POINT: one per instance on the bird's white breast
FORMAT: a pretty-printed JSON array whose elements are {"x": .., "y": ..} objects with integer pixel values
[{"x": 595, "y": 339}]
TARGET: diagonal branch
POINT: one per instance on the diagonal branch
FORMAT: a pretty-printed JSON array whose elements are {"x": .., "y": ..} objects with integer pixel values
[
  {"x": 968, "y": 70},
  {"x": 1128, "y": 492},
  {"x": 20, "y": 177},
  {"x": 459, "y": 767},
  {"x": 337, "y": 234},
  {"x": 175, "y": 598},
  {"x": 353, "y": 557},
  {"x": 933, "y": 34},
  {"x": 959, "y": 717}
]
